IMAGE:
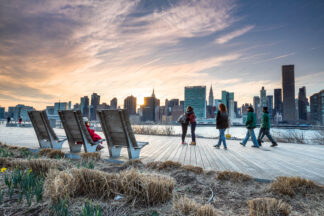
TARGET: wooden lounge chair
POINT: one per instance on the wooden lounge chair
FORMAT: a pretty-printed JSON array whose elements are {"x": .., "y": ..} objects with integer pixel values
[
  {"x": 119, "y": 133},
  {"x": 44, "y": 132},
  {"x": 76, "y": 131}
]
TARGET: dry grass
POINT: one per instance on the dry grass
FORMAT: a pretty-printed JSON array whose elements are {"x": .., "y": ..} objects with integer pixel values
[
  {"x": 135, "y": 163},
  {"x": 90, "y": 156},
  {"x": 185, "y": 206},
  {"x": 232, "y": 176},
  {"x": 44, "y": 152},
  {"x": 163, "y": 165},
  {"x": 268, "y": 207},
  {"x": 293, "y": 185},
  {"x": 13, "y": 147},
  {"x": 37, "y": 165},
  {"x": 138, "y": 187},
  {"x": 56, "y": 154},
  {"x": 194, "y": 169}
]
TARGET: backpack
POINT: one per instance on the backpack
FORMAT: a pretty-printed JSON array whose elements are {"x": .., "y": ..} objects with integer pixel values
[{"x": 182, "y": 119}]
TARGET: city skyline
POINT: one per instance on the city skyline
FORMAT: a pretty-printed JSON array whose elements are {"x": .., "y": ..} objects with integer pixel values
[{"x": 61, "y": 50}]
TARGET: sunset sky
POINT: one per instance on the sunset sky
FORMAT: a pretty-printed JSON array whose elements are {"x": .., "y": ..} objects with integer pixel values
[{"x": 62, "y": 50}]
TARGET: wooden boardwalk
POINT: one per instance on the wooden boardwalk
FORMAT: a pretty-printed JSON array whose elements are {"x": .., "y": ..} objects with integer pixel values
[{"x": 267, "y": 163}]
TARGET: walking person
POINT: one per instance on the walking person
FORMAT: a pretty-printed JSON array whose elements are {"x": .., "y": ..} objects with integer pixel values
[
  {"x": 192, "y": 120},
  {"x": 222, "y": 124},
  {"x": 250, "y": 125},
  {"x": 265, "y": 128},
  {"x": 184, "y": 121}
]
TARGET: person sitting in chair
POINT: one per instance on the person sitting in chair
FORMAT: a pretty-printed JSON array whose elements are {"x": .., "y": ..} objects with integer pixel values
[{"x": 95, "y": 137}]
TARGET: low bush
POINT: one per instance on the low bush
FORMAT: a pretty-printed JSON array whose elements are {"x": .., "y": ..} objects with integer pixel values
[
  {"x": 138, "y": 187},
  {"x": 232, "y": 176},
  {"x": 185, "y": 206},
  {"x": 194, "y": 169},
  {"x": 163, "y": 165},
  {"x": 268, "y": 207},
  {"x": 91, "y": 156},
  {"x": 293, "y": 185}
]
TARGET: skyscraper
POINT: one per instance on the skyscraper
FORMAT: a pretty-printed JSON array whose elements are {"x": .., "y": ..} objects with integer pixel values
[
  {"x": 256, "y": 105},
  {"x": 195, "y": 96},
  {"x": 317, "y": 108},
  {"x": 2, "y": 112},
  {"x": 302, "y": 104},
  {"x": 95, "y": 101},
  {"x": 263, "y": 97},
  {"x": 113, "y": 103},
  {"x": 84, "y": 106},
  {"x": 150, "y": 108},
  {"x": 211, "y": 97},
  {"x": 277, "y": 101},
  {"x": 288, "y": 90},
  {"x": 130, "y": 104},
  {"x": 270, "y": 105}
]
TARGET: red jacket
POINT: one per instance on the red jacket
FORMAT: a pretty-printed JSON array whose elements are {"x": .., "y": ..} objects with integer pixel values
[
  {"x": 192, "y": 117},
  {"x": 95, "y": 137}
]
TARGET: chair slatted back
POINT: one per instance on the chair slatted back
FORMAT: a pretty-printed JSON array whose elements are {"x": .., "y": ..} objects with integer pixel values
[
  {"x": 128, "y": 127},
  {"x": 113, "y": 127},
  {"x": 38, "y": 124},
  {"x": 48, "y": 126}
]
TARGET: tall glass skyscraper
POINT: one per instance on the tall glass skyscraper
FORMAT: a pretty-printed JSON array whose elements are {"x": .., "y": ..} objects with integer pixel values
[
  {"x": 288, "y": 92},
  {"x": 195, "y": 96}
]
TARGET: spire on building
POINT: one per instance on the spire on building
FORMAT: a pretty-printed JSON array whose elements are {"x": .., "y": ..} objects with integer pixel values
[
  {"x": 211, "y": 96},
  {"x": 153, "y": 95}
]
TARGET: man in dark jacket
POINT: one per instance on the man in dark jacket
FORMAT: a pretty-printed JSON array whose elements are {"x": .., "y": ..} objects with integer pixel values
[
  {"x": 221, "y": 124},
  {"x": 265, "y": 127},
  {"x": 250, "y": 125}
]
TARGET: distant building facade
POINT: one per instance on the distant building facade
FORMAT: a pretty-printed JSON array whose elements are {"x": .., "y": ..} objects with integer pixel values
[
  {"x": 150, "y": 109},
  {"x": 130, "y": 104},
  {"x": 257, "y": 107},
  {"x": 2, "y": 112},
  {"x": 114, "y": 103},
  {"x": 20, "y": 111},
  {"x": 84, "y": 106},
  {"x": 270, "y": 105},
  {"x": 288, "y": 92},
  {"x": 95, "y": 101},
  {"x": 317, "y": 108},
  {"x": 195, "y": 96},
  {"x": 263, "y": 97},
  {"x": 302, "y": 104},
  {"x": 58, "y": 106},
  {"x": 277, "y": 101}
]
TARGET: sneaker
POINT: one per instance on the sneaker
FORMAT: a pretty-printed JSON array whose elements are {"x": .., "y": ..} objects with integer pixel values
[
  {"x": 193, "y": 143},
  {"x": 99, "y": 147},
  {"x": 216, "y": 146},
  {"x": 242, "y": 144},
  {"x": 274, "y": 144},
  {"x": 225, "y": 148},
  {"x": 260, "y": 142},
  {"x": 254, "y": 146},
  {"x": 183, "y": 143}
]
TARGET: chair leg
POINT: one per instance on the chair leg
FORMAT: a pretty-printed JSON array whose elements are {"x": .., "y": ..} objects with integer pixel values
[
  {"x": 45, "y": 144},
  {"x": 75, "y": 148},
  {"x": 114, "y": 152},
  {"x": 57, "y": 145},
  {"x": 133, "y": 153}
]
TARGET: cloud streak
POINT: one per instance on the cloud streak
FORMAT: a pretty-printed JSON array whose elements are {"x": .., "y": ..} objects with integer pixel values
[{"x": 230, "y": 36}]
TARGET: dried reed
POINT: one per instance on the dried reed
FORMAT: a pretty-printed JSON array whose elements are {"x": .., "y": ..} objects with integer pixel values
[
  {"x": 268, "y": 207},
  {"x": 232, "y": 176}
]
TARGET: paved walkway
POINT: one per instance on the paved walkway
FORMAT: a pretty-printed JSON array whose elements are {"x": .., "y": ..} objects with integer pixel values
[{"x": 285, "y": 160}]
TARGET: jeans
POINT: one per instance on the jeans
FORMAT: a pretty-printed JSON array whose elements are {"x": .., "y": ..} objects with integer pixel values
[
  {"x": 265, "y": 132},
  {"x": 184, "y": 131},
  {"x": 222, "y": 138},
  {"x": 249, "y": 133},
  {"x": 193, "y": 128}
]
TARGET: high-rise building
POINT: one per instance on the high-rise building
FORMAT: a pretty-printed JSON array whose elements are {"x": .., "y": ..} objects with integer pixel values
[
  {"x": 69, "y": 105},
  {"x": 288, "y": 91},
  {"x": 245, "y": 107},
  {"x": 228, "y": 101},
  {"x": 84, "y": 106},
  {"x": 217, "y": 102},
  {"x": 270, "y": 105},
  {"x": 150, "y": 108},
  {"x": 60, "y": 106},
  {"x": 263, "y": 97},
  {"x": 211, "y": 97},
  {"x": 2, "y": 112},
  {"x": 95, "y": 101},
  {"x": 20, "y": 111},
  {"x": 114, "y": 103},
  {"x": 130, "y": 104},
  {"x": 257, "y": 107},
  {"x": 50, "y": 110},
  {"x": 277, "y": 101},
  {"x": 317, "y": 108},
  {"x": 195, "y": 96},
  {"x": 302, "y": 104},
  {"x": 76, "y": 107}
]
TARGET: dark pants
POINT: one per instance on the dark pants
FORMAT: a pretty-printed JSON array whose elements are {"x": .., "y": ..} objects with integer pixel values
[
  {"x": 193, "y": 128},
  {"x": 265, "y": 132},
  {"x": 184, "y": 131}
]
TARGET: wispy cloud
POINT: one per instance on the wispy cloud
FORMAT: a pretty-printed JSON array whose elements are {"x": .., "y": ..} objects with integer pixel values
[
  {"x": 277, "y": 57},
  {"x": 230, "y": 36}
]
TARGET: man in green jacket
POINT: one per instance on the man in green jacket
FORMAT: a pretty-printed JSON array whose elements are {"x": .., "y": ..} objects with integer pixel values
[
  {"x": 250, "y": 125},
  {"x": 265, "y": 128}
]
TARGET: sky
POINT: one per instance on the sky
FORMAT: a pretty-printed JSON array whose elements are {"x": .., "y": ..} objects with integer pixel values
[{"x": 62, "y": 50}]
